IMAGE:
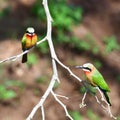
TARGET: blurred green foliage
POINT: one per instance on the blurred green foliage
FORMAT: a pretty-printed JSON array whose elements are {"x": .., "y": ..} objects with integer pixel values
[
  {"x": 32, "y": 59},
  {"x": 42, "y": 79},
  {"x": 56, "y": 85},
  {"x": 91, "y": 115},
  {"x": 118, "y": 118},
  {"x": 111, "y": 44},
  {"x": 37, "y": 91},
  {"x": 97, "y": 63},
  {"x": 65, "y": 16},
  {"x": 13, "y": 83},
  {"x": 43, "y": 47},
  {"x": 6, "y": 94},
  {"x": 4, "y": 12},
  {"x": 76, "y": 115},
  {"x": 86, "y": 44},
  {"x": 94, "y": 48},
  {"x": 118, "y": 77}
]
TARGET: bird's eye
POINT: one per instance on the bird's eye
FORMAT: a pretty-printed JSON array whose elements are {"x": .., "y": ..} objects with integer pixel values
[
  {"x": 27, "y": 31},
  {"x": 87, "y": 68}
]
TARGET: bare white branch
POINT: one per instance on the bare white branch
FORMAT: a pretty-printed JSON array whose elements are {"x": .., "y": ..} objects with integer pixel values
[
  {"x": 53, "y": 55},
  {"x": 66, "y": 111},
  {"x": 43, "y": 113},
  {"x": 55, "y": 74},
  {"x": 83, "y": 100},
  {"x": 42, "y": 100},
  {"x": 49, "y": 37},
  {"x": 62, "y": 96},
  {"x": 67, "y": 68},
  {"x": 107, "y": 109},
  {"x": 13, "y": 58}
]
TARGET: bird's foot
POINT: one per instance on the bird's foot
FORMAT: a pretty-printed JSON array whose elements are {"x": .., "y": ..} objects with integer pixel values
[{"x": 82, "y": 105}]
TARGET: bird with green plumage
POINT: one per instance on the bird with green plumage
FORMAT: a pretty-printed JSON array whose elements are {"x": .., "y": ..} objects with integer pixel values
[
  {"x": 96, "y": 79},
  {"x": 28, "y": 41}
]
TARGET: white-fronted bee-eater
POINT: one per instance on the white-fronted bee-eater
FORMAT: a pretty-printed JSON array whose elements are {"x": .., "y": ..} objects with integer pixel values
[
  {"x": 28, "y": 41},
  {"x": 95, "y": 78}
]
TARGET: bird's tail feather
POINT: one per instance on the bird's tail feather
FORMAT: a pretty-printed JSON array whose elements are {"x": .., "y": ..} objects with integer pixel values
[
  {"x": 24, "y": 58},
  {"x": 107, "y": 97}
]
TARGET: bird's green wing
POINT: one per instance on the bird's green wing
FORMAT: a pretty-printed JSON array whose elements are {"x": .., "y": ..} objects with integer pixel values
[
  {"x": 99, "y": 81},
  {"x": 23, "y": 41}
]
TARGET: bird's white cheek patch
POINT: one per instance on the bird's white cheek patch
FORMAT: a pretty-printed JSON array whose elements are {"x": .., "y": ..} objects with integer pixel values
[{"x": 86, "y": 70}]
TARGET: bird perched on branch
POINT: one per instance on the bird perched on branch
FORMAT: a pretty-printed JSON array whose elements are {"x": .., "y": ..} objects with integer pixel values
[
  {"x": 28, "y": 41},
  {"x": 95, "y": 79}
]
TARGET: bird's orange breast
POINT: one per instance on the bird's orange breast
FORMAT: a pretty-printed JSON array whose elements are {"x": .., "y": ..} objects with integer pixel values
[
  {"x": 31, "y": 40},
  {"x": 89, "y": 77}
]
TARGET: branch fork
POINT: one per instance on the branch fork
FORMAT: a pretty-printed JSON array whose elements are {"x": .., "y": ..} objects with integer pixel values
[
  {"x": 106, "y": 109},
  {"x": 55, "y": 77}
]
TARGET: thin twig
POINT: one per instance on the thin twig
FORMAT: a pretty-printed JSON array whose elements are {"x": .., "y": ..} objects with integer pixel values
[
  {"x": 13, "y": 58},
  {"x": 108, "y": 110},
  {"x": 62, "y": 96},
  {"x": 67, "y": 68},
  {"x": 83, "y": 100},
  {"x": 55, "y": 77},
  {"x": 66, "y": 111}
]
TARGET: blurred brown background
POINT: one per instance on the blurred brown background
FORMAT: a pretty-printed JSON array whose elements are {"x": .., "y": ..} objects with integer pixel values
[{"x": 95, "y": 38}]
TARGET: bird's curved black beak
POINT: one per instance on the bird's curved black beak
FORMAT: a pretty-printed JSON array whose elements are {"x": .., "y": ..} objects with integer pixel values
[{"x": 78, "y": 67}]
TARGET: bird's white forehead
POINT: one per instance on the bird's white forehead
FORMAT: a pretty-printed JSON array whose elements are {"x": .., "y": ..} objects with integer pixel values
[
  {"x": 89, "y": 65},
  {"x": 30, "y": 29}
]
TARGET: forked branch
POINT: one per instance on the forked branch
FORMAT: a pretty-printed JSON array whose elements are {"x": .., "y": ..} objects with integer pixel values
[{"x": 55, "y": 74}]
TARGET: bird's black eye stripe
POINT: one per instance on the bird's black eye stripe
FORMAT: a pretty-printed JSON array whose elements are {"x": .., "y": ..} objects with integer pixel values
[
  {"x": 27, "y": 31},
  {"x": 87, "y": 68}
]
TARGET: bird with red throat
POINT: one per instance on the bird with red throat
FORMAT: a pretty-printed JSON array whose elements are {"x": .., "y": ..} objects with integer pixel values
[
  {"x": 28, "y": 41},
  {"x": 95, "y": 79}
]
